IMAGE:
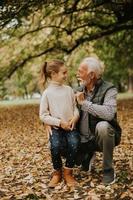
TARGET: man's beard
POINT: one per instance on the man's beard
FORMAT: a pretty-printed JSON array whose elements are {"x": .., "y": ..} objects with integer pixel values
[{"x": 86, "y": 82}]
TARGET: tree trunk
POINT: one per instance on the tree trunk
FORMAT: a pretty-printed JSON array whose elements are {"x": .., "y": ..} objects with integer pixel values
[
  {"x": 130, "y": 81},
  {"x": 26, "y": 92}
]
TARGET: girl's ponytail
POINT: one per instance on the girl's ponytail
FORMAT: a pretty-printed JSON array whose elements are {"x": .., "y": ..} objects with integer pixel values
[
  {"x": 47, "y": 69},
  {"x": 43, "y": 70}
]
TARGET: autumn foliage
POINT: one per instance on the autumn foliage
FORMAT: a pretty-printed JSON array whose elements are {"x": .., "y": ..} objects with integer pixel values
[{"x": 25, "y": 164}]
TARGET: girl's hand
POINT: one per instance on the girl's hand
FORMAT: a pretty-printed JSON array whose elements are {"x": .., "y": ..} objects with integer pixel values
[
  {"x": 65, "y": 125},
  {"x": 80, "y": 97},
  {"x": 48, "y": 131},
  {"x": 72, "y": 123}
]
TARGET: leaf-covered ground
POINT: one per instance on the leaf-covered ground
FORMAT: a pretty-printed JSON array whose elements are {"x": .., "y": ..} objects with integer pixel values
[{"x": 25, "y": 165}]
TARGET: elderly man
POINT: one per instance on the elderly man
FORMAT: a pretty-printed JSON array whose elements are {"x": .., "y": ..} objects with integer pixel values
[{"x": 98, "y": 125}]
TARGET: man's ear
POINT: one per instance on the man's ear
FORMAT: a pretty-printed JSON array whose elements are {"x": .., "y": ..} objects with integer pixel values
[{"x": 91, "y": 75}]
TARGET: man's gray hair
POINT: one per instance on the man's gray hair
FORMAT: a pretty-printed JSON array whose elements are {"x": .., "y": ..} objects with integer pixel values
[{"x": 94, "y": 65}]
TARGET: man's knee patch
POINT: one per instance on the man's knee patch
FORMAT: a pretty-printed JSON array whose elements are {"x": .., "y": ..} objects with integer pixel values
[{"x": 102, "y": 126}]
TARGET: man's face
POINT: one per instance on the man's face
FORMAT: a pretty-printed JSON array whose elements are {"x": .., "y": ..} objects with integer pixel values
[
  {"x": 85, "y": 75},
  {"x": 82, "y": 73}
]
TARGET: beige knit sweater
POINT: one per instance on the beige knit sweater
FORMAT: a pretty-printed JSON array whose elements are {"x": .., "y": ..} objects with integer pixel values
[{"x": 57, "y": 103}]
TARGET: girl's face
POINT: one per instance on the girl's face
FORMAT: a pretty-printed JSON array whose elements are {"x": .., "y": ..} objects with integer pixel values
[{"x": 61, "y": 76}]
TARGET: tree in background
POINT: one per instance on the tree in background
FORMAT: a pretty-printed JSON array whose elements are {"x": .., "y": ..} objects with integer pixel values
[
  {"x": 23, "y": 84},
  {"x": 3, "y": 90},
  {"x": 21, "y": 81},
  {"x": 117, "y": 53},
  {"x": 33, "y": 31}
]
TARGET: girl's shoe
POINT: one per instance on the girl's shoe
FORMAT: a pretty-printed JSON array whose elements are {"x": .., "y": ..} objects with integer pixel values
[
  {"x": 69, "y": 179},
  {"x": 56, "y": 178}
]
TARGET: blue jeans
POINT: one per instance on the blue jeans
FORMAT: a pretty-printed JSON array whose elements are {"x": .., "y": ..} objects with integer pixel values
[{"x": 62, "y": 140}]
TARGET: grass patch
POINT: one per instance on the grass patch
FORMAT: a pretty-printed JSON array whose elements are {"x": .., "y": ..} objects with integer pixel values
[
  {"x": 19, "y": 102},
  {"x": 125, "y": 95}
]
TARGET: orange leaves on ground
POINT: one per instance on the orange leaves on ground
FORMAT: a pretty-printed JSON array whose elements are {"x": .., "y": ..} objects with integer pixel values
[{"x": 25, "y": 163}]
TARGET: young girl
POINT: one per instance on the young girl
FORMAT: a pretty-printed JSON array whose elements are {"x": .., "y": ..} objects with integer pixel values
[{"x": 58, "y": 109}]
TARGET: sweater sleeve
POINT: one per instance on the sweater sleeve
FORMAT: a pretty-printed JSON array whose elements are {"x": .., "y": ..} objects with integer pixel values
[
  {"x": 105, "y": 111},
  {"x": 44, "y": 112}
]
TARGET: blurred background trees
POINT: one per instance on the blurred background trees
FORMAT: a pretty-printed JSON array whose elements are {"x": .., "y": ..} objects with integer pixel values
[{"x": 33, "y": 31}]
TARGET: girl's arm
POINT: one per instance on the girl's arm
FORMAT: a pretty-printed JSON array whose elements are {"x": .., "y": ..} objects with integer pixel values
[
  {"x": 75, "y": 118},
  {"x": 76, "y": 111},
  {"x": 45, "y": 114}
]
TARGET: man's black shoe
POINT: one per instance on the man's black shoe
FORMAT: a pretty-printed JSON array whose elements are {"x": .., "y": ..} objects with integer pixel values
[
  {"x": 109, "y": 176},
  {"x": 88, "y": 161}
]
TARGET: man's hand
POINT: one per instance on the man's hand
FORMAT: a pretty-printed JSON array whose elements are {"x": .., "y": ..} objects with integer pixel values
[{"x": 80, "y": 97}]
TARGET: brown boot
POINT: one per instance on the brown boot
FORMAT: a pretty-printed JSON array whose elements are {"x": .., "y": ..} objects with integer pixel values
[
  {"x": 69, "y": 179},
  {"x": 56, "y": 178}
]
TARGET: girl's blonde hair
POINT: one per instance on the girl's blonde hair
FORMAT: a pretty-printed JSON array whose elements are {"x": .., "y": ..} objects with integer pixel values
[{"x": 47, "y": 68}]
